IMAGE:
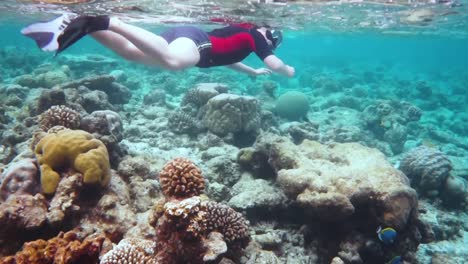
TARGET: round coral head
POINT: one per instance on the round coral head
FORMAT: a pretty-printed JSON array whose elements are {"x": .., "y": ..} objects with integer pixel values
[{"x": 181, "y": 178}]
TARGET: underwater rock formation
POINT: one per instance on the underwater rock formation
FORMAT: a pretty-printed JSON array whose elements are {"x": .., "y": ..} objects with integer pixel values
[
  {"x": 229, "y": 113},
  {"x": 202, "y": 92},
  {"x": 19, "y": 178},
  {"x": 156, "y": 97},
  {"x": 388, "y": 121},
  {"x": 117, "y": 93},
  {"x": 106, "y": 126},
  {"x": 347, "y": 184},
  {"x": 67, "y": 248},
  {"x": 427, "y": 169},
  {"x": 331, "y": 182}
]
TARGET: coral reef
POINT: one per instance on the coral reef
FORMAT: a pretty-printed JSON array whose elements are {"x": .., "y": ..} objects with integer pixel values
[
  {"x": 388, "y": 120},
  {"x": 342, "y": 185},
  {"x": 185, "y": 226},
  {"x": 427, "y": 169},
  {"x": 59, "y": 115},
  {"x": 75, "y": 149},
  {"x": 19, "y": 178},
  {"x": 181, "y": 178},
  {"x": 292, "y": 105},
  {"x": 131, "y": 251},
  {"x": 66, "y": 248},
  {"x": 202, "y": 92},
  {"x": 106, "y": 126},
  {"x": 117, "y": 93},
  {"x": 181, "y": 122},
  {"x": 229, "y": 113}
]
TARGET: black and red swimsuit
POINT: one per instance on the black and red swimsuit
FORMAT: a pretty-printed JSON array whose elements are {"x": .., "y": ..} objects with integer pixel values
[{"x": 223, "y": 46}]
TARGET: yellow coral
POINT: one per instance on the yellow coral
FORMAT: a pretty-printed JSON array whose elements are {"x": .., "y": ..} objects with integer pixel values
[{"x": 74, "y": 149}]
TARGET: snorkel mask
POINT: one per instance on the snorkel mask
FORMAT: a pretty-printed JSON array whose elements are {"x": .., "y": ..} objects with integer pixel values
[{"x": 275, "y": 36}]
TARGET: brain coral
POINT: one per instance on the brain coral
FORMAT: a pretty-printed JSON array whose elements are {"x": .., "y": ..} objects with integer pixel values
[
  {"x": 427, "y": 168},
  {"x": 292, "y": 105},
  {"x": 181, "y": 178},
  {"x": 72, "y": 149}
]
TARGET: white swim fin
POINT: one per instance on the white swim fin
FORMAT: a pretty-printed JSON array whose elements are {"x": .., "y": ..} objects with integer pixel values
[{"x": 46, "y": 34}]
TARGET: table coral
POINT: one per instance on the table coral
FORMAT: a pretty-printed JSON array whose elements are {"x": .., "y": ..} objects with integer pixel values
[{"x": 74, "y": 149}]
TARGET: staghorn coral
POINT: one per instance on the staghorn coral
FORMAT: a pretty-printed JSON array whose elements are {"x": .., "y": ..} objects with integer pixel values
[
  {"x": 65, "y": 248},
  {"x": 181, "y": 178},
  {"x": 131, "y": 251},
  {"x": 427, "y": 169},
  {"x": 59, "y": 115},
  {"x": 75, "y": 149}
]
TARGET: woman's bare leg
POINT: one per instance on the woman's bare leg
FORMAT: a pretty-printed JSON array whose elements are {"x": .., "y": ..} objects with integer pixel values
[
  {"x": 122, "y": 46},
  {"x": 179, "y": 54}
]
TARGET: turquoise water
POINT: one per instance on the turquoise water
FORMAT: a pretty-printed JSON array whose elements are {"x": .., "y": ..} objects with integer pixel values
[{"x": 367, "y": 77}]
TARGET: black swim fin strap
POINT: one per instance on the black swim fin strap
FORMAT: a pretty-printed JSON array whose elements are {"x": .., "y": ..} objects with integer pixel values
[{"x": 80, "y": 27}]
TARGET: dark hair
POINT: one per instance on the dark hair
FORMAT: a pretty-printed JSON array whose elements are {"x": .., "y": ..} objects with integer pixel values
[{"x": 275, "y": 36}]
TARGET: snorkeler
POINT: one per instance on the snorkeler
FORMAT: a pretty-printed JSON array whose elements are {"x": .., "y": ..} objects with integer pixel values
[{"x": 175, "y": 49}]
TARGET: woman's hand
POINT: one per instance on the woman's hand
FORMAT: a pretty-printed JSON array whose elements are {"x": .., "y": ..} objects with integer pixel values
[{"x": 262, "y": 71}]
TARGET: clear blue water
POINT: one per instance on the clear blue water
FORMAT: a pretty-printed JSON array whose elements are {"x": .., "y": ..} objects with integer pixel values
[{"x": 364, "y": 52}]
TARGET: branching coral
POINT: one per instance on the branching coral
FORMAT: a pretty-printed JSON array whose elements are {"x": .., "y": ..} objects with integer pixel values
[
  {"x": 191, "y": 229},
  {"x": 59, "y": 115},
  {"x": 223, "y": 219},
  {"x": 181, "y": 178},
  {"x": 131, "y": 251}
]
